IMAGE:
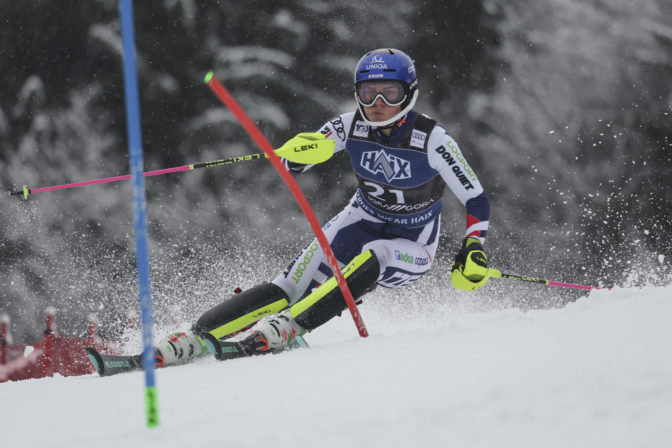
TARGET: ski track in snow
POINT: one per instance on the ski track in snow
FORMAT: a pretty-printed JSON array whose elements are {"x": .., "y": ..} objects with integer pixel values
[{"x": 596, "y": 373}]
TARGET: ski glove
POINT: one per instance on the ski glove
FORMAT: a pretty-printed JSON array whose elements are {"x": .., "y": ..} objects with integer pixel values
[
  {"x": 293, "y": 167},
  {"x": 470, "y": 269}
]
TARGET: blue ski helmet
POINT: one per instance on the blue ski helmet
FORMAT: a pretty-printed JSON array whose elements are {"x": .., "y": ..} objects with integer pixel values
[{"x": 386, "y": 64}]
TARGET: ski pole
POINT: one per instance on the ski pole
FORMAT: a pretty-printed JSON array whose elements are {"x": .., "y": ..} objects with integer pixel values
[
  {"x": 306, "y": 148},
  {"x": 498, "y": 274}
]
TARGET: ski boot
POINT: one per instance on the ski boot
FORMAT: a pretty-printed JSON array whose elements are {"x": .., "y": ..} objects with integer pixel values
[
  {"x": 271, "y": 334},
  {"x": 179, "y": 347}
]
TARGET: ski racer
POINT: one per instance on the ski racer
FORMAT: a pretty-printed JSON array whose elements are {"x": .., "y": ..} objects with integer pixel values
[{"x": 386, "y": 235}]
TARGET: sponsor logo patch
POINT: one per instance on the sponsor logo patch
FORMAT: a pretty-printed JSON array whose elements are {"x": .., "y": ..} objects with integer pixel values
[
  {"x": 418, "y": 139},
  {"x": 299, "y": 265},
  {"x": 376, "y": 62},
  {"x": 410, "y": 259},
  {"x": 337, "y": 124},
  {"x": 361, "y": 129},
  {"x": 421, "y": 261},
  {"x": 403, "y": 257},
  {"x": 392, "y": 167},
  {"x": 457, "y": 167}
]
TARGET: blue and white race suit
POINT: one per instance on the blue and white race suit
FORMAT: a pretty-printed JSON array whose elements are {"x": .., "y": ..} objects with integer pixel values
[{"x": 396, "y": 209}]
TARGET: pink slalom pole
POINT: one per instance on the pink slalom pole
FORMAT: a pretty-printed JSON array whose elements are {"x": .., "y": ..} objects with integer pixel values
[
  {"x": 27, "y": 191},
  {"x": 572, "y": 285},
  {"x": 498, "y": 274}
]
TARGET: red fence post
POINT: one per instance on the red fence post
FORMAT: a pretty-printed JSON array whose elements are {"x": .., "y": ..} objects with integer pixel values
[
  {"x": 91, "y": 337},
  {"x": 49, "y": 342},
  {"x": 4, "y": 335}
]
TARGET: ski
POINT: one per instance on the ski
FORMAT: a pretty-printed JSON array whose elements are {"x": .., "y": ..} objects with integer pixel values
[
  {"x": 107, "y": 365},
  {"x": 224, "y": 350}
]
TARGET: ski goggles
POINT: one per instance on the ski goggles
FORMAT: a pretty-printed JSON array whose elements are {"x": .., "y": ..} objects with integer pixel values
[{"x": 392, "y": 92}]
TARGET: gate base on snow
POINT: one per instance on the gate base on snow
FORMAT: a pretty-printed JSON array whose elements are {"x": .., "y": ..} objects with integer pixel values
[{"x": 54, "y": 354}]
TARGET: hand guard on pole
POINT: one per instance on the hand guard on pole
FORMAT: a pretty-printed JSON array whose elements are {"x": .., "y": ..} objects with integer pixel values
[
  {"x": 470, "y": 269},
  {"x": 310, "y": 140}
]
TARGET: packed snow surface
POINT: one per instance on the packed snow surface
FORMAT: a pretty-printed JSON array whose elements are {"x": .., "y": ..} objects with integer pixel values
[{"x": 594, "y": 373}]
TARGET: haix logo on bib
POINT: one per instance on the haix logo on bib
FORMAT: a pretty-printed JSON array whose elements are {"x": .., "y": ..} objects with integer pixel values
[
  {"x": 392, "y": 167},
  {"x": 376, "y": 63}
]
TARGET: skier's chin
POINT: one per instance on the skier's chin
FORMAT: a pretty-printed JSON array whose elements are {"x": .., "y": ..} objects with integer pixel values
[
  {"x": 380, "y": 116},
  {"x": 381, "y": 112}
]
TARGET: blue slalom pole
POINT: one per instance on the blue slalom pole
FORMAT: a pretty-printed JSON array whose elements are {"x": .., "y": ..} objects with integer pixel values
[{"x": 139, "y": 208}]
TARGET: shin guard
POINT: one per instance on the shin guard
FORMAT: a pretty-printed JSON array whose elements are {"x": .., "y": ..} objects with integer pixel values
[
  {"x": 327, "y": 301},
  {"x": 242, "y": 310}
]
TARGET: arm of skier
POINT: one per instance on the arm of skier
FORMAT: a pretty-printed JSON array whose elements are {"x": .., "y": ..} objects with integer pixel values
[
  {"x": 469, "y": 271},
  {"x": 333, "y": 130}
]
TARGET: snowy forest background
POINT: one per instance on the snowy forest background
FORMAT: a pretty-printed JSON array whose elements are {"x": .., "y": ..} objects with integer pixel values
[{"x": 563, "y": 108}]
